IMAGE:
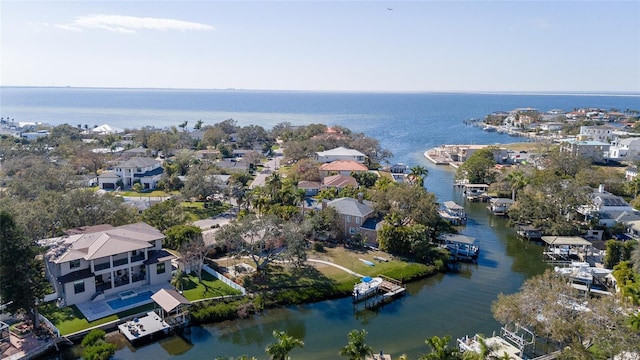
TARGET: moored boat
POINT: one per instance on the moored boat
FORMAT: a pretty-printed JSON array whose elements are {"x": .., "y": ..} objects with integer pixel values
[{"x": 367, "y": 287}]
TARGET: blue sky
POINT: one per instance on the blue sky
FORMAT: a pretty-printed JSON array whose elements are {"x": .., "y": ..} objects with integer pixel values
[{"x": 323, "y": 45}]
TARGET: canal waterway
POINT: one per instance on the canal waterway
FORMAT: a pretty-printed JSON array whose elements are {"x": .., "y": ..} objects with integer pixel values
[{"x": 454, "y": 304}]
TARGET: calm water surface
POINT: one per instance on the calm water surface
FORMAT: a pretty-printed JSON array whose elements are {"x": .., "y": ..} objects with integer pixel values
[{"x": 452, "y": 304}]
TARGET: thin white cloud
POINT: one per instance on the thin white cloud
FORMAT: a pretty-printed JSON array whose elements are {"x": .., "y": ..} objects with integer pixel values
[{"x": 130, "y": 24}]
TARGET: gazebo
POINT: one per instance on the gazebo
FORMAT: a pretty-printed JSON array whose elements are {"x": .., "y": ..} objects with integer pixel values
[{"x": 172, "y": 306}]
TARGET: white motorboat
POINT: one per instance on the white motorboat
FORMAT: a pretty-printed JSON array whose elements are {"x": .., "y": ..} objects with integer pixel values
[{"x": 367, "y": 287}]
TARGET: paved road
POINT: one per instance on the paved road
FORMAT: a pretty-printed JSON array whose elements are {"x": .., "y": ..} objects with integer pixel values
[{"x": 269, "y": 167}]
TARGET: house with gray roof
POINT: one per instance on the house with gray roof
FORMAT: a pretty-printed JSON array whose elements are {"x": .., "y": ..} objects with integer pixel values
[
  {"x": 340, "y": 153},
  {"x": 609, "y": 208},
  {"x": 356, "y": 216},
  {"x": 145, "y": 170},
  {"x": 106, "y": 260}
]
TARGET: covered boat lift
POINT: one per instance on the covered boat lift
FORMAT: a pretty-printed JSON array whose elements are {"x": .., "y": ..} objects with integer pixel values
[
  {"x": 173, "y": 314},
  {"x": 461, "y": 247},
  {"x": 565, "y": 249}
]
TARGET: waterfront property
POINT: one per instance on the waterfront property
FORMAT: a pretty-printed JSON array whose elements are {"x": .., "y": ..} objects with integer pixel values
[
  {"x": 452, "y": 212},
  {"x": 461, "y": 247},
  {"x": 171, "y": 315},
  {"x": 529, "y": 232},
  {"x": 588, "y": 279},
  {"x": 476, "y": 192},
  {"x": 93, "y": 265},
  {"x": 373, "y": 292},
  {"x": 356, "y": 216},
  {"x": 512, "y": 343},
  {"x": 562, "y": 250},
  {"x": 500, "y": 206}
]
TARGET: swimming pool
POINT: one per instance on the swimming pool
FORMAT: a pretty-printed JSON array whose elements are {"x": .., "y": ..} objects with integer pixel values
[{"x": 119, "y": 303}]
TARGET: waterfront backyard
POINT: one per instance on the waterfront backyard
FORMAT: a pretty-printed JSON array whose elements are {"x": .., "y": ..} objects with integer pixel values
[{"x": 72, "y": 319}]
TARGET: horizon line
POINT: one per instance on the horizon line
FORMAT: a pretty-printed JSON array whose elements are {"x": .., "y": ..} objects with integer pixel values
[{"x": 487, "y": 92}]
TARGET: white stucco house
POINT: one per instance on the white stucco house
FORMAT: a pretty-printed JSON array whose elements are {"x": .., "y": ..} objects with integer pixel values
[
  {"x": 146, "y": 170},
  {"x": 340, "y": 153},
  {"x": 627, "y": 149},
  {"x": 595, "y": 151},
  {"x": 106, "y": 260},
  {"x": 597, "y": 133}
]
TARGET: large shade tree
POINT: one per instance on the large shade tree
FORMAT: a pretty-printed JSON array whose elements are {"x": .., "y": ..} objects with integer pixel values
[
  {"x": 23, "y": 282},
  {"x": 260, "y": 238}
]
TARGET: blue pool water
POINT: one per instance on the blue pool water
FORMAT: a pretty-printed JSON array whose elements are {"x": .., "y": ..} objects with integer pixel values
[{"x": 116, "y": 304}]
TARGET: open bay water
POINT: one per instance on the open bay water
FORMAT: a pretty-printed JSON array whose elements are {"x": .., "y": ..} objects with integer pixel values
[{"x": 454, "y": 304}]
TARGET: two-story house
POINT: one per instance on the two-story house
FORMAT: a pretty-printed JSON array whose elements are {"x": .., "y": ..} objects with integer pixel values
[
  {"x": 625, "y": 149},
  {"x": 146, "y": 170},
  {"x": 340, "y": 153},
  {"x": 356, "y": 216},
  {"x": 597, "y": 133},
  {"x": 595, "y": 151},
  {"x": 89, "y": 265},
  {"x": 610, "y": 209}
]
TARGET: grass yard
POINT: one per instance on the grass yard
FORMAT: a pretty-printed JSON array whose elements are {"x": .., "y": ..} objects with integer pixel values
[
  {"x": 210, "y": 287},
  {"x": 196, "y": 210},
  {"x": 154, "y": 193},
  {"x": 69, "y": 319},
  {"x": 395, "y": 268}
]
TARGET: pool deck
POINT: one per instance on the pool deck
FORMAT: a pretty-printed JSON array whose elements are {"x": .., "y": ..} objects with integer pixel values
[
  {"x": 98, "y": 309},
  {"x": 144, "y": 327}
]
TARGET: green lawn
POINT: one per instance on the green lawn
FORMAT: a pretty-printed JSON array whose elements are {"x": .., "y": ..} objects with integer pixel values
[
  {"x": 69, "y": 319},
  {"x": 208, "y": 288},
  {"x": 196, "y": 210},
  {"x": 154, "y": 193}
]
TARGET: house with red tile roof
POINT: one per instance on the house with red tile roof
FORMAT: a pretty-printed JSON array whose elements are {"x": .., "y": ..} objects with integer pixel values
[{"x": 344, "y": 167}]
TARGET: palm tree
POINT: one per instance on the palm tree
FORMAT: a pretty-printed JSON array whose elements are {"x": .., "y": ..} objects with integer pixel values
[
  {"x": 440, "y": 349},
  {"x": 517, "y": 180},
  {"x": 418, "y": 174},
  {"x": 280, "y": 350},
  {"x": 179, "y": 280},
  {"x": 356, "y": 349}
]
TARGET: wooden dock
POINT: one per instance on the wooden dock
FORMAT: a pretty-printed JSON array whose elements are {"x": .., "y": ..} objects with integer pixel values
[{"x": 144, "y": 327}]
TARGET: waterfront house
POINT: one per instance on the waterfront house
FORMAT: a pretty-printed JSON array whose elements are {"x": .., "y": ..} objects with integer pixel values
[
  {"x": 106, "y": 260},
  {"x": 145, "y": 170},
  {"x": 340, "y": 153},
  {"x": 344, "y": 167},
  {"x": 356, "y": 216}
]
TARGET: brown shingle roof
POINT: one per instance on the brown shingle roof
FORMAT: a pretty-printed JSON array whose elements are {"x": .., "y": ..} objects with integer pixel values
[{"x": 339, "y": 181}]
